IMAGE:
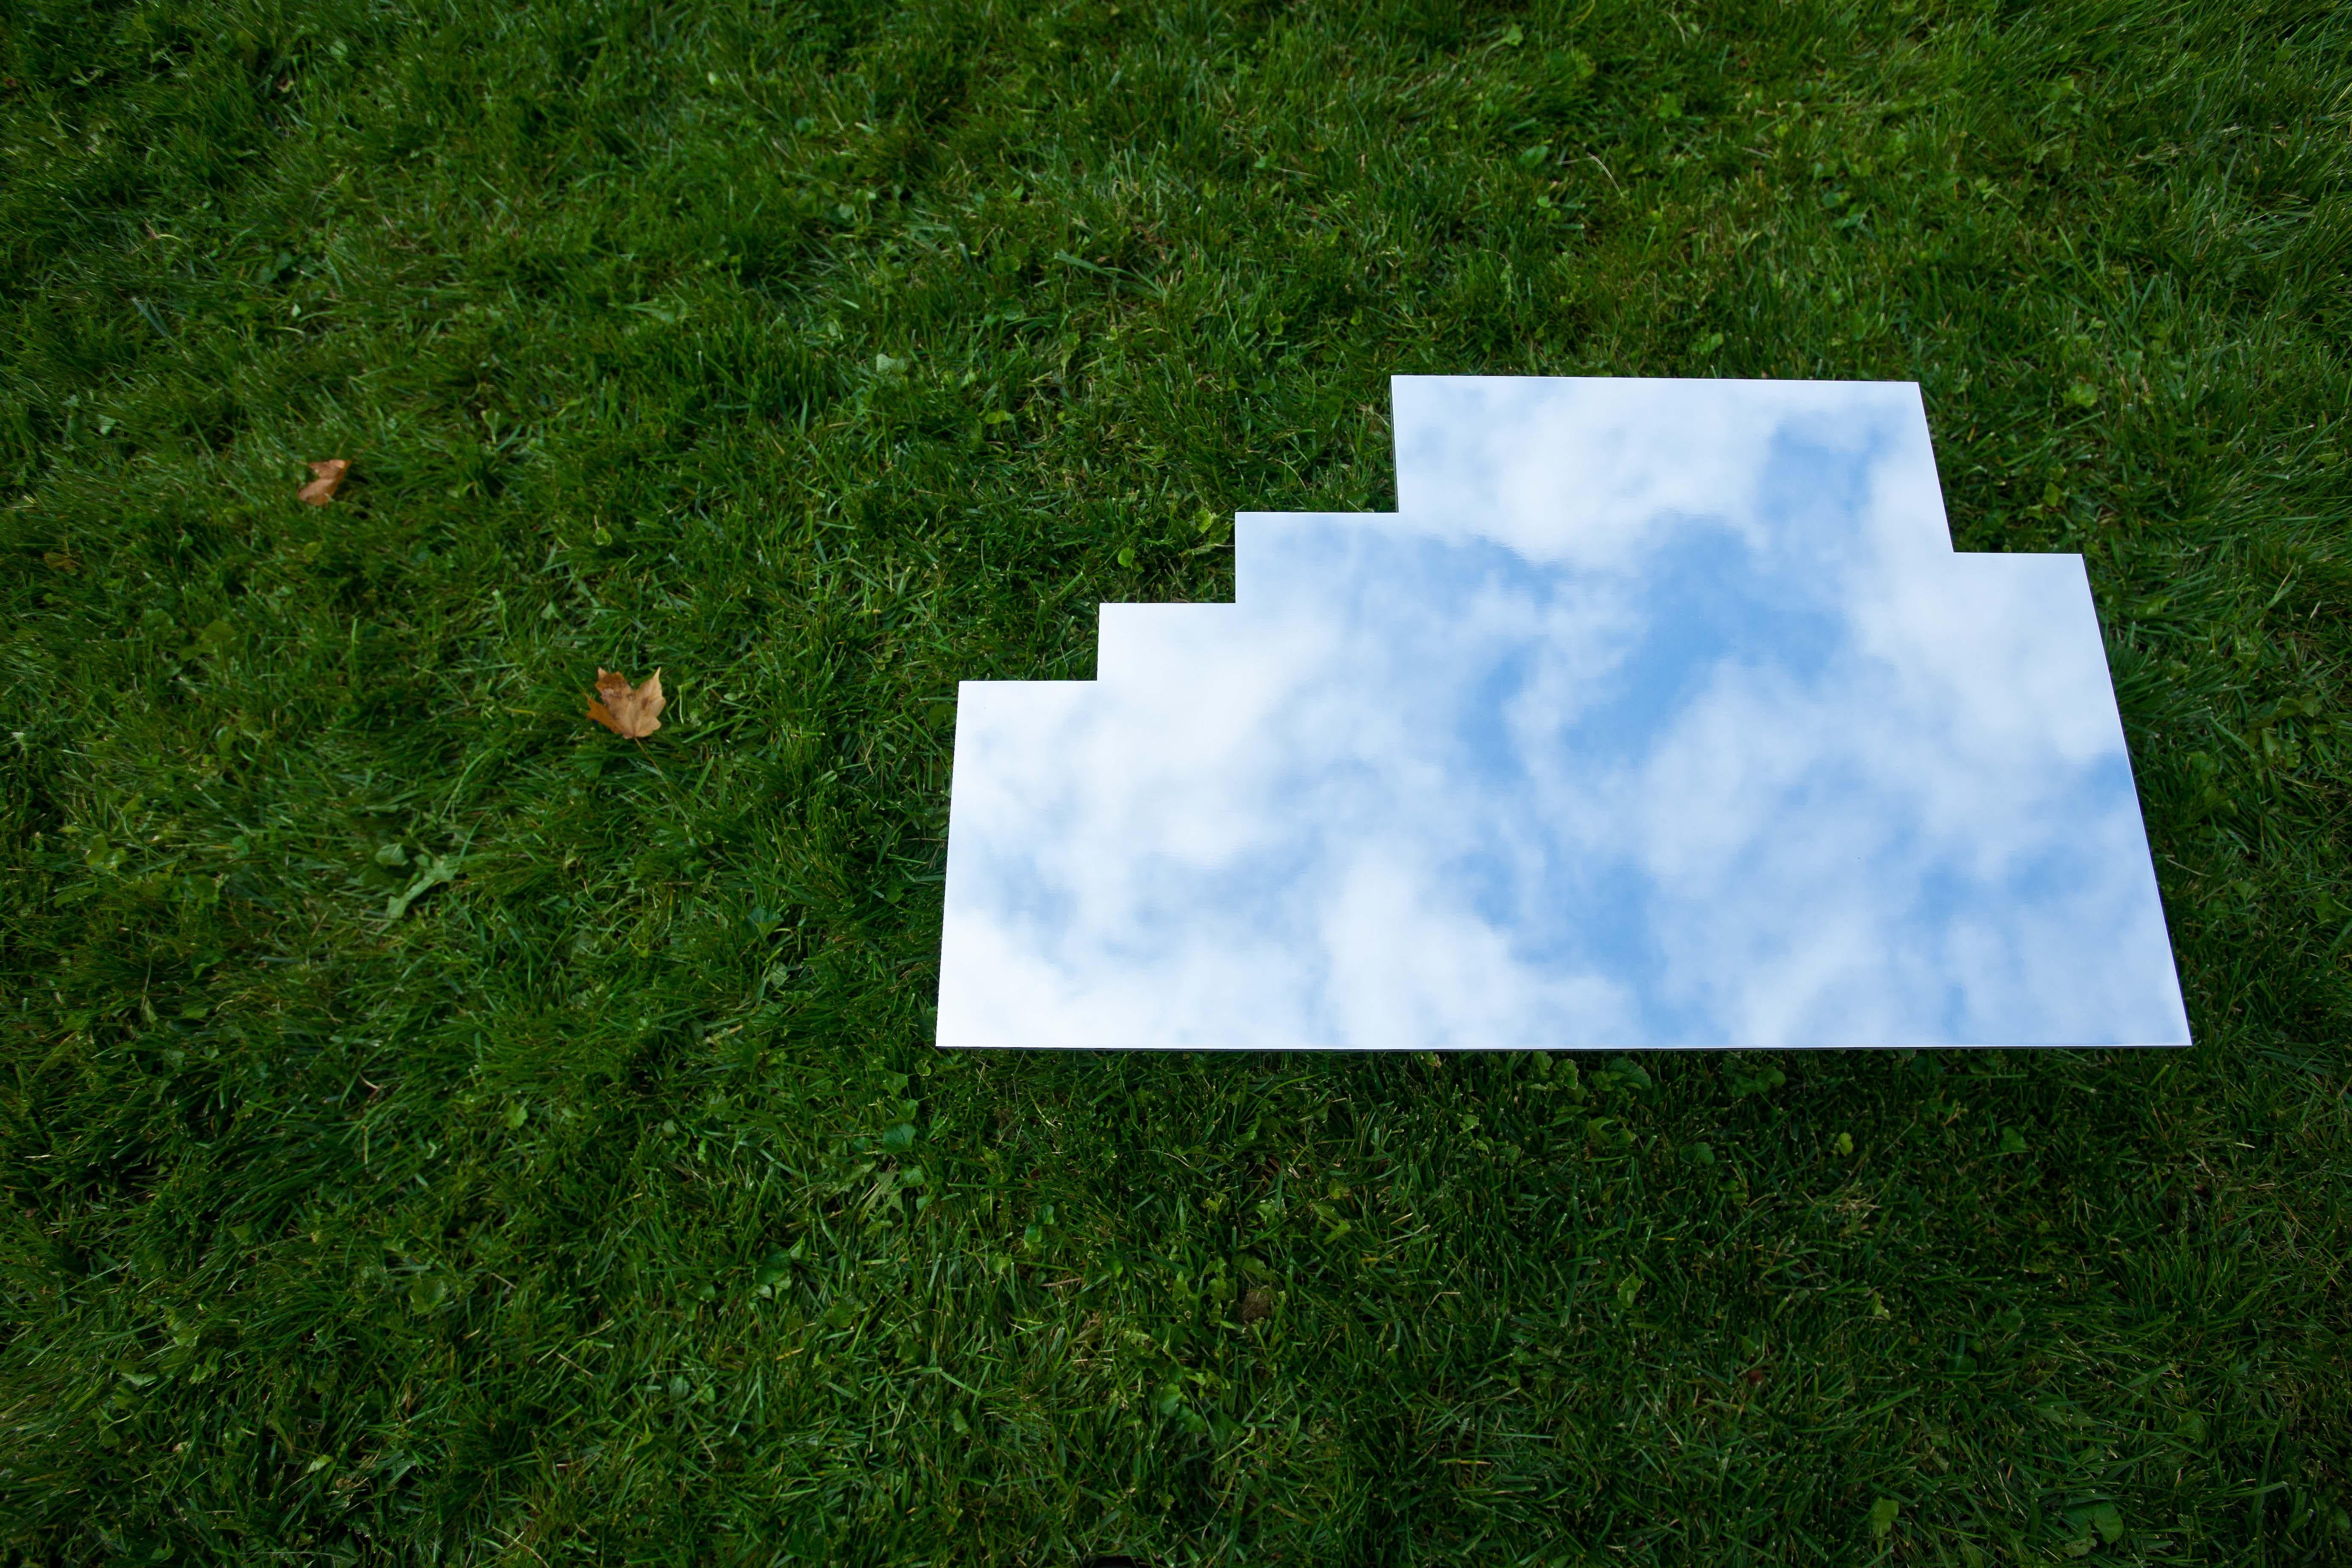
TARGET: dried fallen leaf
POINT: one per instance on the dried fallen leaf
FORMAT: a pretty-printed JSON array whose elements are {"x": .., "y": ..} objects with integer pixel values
[
  {"x": 633, "y": 713},
  {"x": 321, "y": 490}
]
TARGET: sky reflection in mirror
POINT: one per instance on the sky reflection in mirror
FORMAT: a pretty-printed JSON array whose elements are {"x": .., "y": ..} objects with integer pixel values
[{"x": 1661, "y": 714}]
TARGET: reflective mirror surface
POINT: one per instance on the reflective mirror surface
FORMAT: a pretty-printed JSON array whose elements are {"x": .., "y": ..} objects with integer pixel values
[{"x": 1662, "y": 714}]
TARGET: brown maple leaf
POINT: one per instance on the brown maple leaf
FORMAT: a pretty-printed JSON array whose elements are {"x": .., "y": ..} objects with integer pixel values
[
  {"x": 630, "y": 712},
  {"x": 321, "y": 490}
]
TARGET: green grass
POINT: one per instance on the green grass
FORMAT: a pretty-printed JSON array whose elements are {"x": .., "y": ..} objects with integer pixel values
[{"x": 612, "y": 1205}]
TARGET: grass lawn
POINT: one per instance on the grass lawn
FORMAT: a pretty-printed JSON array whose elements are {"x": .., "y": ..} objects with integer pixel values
[{"x": 434, "y": 1128}]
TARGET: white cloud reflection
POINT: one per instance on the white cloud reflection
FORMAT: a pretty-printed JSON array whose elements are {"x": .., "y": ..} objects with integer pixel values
[{"x": 1662, "y": 714}]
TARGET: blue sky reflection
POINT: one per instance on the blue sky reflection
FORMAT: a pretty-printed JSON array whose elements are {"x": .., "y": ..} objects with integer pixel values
[{"x": 1662, "y": 714}]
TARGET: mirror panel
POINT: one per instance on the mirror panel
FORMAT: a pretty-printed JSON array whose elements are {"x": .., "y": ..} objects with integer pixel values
[{"x": 1662, "y": 714}]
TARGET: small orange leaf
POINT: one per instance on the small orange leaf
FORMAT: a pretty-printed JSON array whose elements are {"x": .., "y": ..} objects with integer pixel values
[
  {"x": 633, "y": 713},
  {"x": 321, "y": 490}
]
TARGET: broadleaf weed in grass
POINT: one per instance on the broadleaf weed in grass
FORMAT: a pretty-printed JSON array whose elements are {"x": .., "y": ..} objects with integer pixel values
[{"x": 611, "y": 1202}]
